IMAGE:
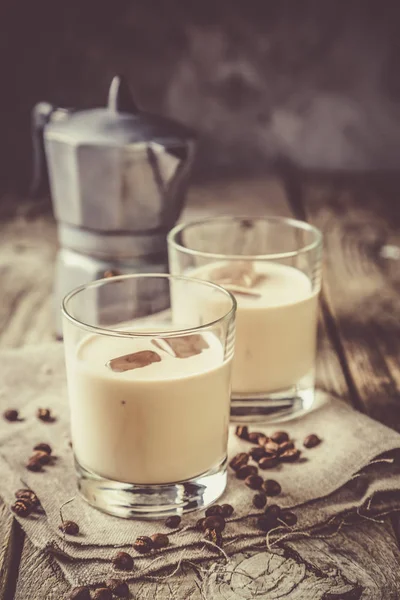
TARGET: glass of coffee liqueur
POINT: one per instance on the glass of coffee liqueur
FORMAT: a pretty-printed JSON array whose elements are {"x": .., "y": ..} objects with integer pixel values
[
  {"x": 149, "y": 384},
  {"x": 272, "y": 265}
]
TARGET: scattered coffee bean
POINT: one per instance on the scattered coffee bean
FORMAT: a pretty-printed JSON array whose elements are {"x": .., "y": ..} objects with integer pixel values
[
  {"x": 34, "y": 465},
  {"x": 11, "y": 415},
  {"x": 123, "y": 561},
  {"x": 245, "y": 471},
  {"x": 42, "y": 457},
  {"x": 285, "y": 446},
  {"x": 271, "y": 487},
  {"x": 143, "y": 544},
  {"x": 119, "y": 588},
  {"x": 69, "y": 527},
  {"x": 214, "y": 536},
  {"x": 214, "y": 522},
  {"x": 42, "y": 447},
  {"x": 160, "y": 540},
  {"x": 265, "y": 524},
  {"x": 240, "y": 460},
  {"x": 80, "y": 593},
  {"x": 288, "y": 517},
  {"x": 44, "y": 414},
  {"x": 268, "y": 462},
  {"x": 259, "y": 500},
  {"x": 102, "y": 594},
  {"x": 22, "y": 508},
  {"x": 311, "y": 441},
  {"x": 25, "y": 494},
  {"x": 227, "y": 510},
  {"x": 255, "y": 436},
  {"x": 290, "y": 455},
  {"x": 279, "y": 437},
  {"x": 262, "y": 440},
  {"x": 242, "y": 432},
  {"x": 256, "y": 453},
  {"x": 173, "y": 522},
  {"x": 273, "y": 511},
  {"x": 254, "y": 482},
  {"x": 271, "y": 448},
  {"x": 215, "y": 509},
  {"x": 200, "y": 524}
]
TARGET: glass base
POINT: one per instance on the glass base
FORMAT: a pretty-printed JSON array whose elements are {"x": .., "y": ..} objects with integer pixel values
[
  {"x": 279, "y": 406},
  {"x": 129, "y": 500}
]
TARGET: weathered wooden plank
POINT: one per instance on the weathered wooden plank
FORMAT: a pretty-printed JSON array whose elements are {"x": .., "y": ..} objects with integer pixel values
[
  {"x": 11, "y": 543},
  {"x": 361, "y": 225},
  {"x": 40, "y": 578}
]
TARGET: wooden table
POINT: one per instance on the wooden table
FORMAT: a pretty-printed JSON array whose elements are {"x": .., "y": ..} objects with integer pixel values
[{"x": 358, "y": 360}]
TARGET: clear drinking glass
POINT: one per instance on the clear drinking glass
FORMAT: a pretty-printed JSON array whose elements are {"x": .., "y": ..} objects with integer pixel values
[
  {"x": 273, "y": 267},
  {"x": 149, "y": 382}
]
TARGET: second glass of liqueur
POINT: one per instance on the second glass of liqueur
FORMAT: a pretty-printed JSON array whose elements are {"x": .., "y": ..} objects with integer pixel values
[{"x": 273, "y": 267}]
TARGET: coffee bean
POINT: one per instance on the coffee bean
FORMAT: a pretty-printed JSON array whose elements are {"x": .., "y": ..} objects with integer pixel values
[
  {"x": 215, "y": 509},
  {"x": 80, "y": 593},
  {"x": 268, "y": 462},
  {"x": 240, "y": 460},
  {"x": 34, "y": 465},
  {"x": 22, "y": 508},
  {"x": 245, "y": 471},
  {"x": 25, "y": 494},
  {"x": 123, "y": 561},
  {"x": 214, "y": 536},
  {"x": 255, "y": 436},
  {"x": 265, "y": 524},
  {"x": 311, "y": 441},
  {"x": 200, "y": 524},
  {"x": 43, "y": 447},
  {"x": 227, "y": 510},
  {"x": 173, "y": 522},
  {"x": 279, "y": 437},
  {"x": 143, "y": 544},
  {"x": 259, "y": 500},
  {"x": 214, "y": 522},
  {"x": 290, "y": 455},
  {"x": 271, "y": 448},
  {"x": 42, "y": 457},
  {"x": 44, "y": 414},
  {"x": 271, "y": 487},
  {"x": 288, "y": 517},
  {"x": 160, "y": 540},
  {"x": 254, "y": 482},
  {"x": 256, "y": 453},
  {"x": 242, "y": 432},
  {"x": 119, "y": 588},
  {"x": 11, "y": 415},
  {"x": 285, "y": 446},
  {"x": 273, "y": 511},
  {"x": 102, "y": 594},
  {"x": 69, "y": 527}
]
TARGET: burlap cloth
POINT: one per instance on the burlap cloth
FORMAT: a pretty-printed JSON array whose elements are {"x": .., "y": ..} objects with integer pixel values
[{"x": 339, "y": 477}]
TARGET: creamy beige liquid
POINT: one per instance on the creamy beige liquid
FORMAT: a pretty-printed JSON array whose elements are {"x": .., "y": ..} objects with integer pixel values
[
  {"x": 162, "y": 423},
  {"x": 275, "y": 330}
]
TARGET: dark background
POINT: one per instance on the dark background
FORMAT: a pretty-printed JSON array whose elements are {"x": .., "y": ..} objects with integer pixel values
[{"x": 313, "y": 82}]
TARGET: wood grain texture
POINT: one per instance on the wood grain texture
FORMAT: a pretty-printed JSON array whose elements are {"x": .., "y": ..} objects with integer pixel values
[{"x": 361, "y": 225}]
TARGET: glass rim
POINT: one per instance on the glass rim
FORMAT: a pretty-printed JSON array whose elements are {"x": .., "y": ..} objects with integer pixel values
[
  {"x": 293, "y": 223},
  {"x": 130, "y": 334}
]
